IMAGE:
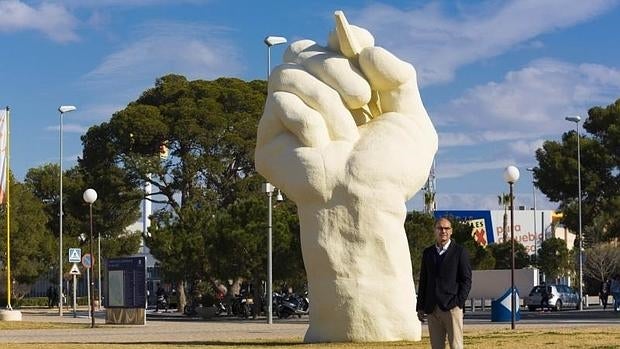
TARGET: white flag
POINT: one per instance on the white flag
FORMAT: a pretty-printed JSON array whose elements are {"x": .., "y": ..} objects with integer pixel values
[{"x": 4, "y": 156}]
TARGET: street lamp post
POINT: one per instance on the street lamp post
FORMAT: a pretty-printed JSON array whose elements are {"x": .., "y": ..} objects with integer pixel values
[
  {"x": 90, "y": 195},
  {"x": 272, "y": 41},
  {"x": 99, "y": 270},
  {"x": 531, "y": 169},
  {"x": 268, "y": 188},
  {"x": 511, "y": 175},
  {"x": 62, "y": 109},
  {"x": 576, "y": 119}
]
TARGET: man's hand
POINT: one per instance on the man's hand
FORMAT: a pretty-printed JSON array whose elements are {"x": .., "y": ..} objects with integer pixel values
[
  {"x": 345, "y": 135},
  {"x": 421, "y": 315}
]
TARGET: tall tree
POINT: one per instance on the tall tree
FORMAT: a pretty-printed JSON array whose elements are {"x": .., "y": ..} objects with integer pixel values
[
  {"x": 556, "y": 174},
  {"x": 502, "y": 252},
  {"x": 32, "y": 245},
  {"x": 504, "y": 201},
  {"x": 238, "y": 242},
  {"x": 480, "y": 256},
  {"x": 602, "y": 261},
  {"x": 208, "y": 131},
  {"x": 115, "y": 209},
  {"x": 419, "y": 228},
  {"x": 553, "y": 258}
]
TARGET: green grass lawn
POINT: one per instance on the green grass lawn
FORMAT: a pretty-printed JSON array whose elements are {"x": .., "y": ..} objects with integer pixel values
[{"x": 605, "y": 337}]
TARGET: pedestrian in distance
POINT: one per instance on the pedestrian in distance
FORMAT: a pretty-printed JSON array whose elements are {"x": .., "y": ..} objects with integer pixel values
[
  {"x": 614, "y": 287},
  {"x": 603, "y": 294},
  {"x": 50, "y": 296},
  {"x": 55, "y": 299},
  {"x": 545, "y": 294},
  {"x": 162, "y": 298},
  {"x": 445, "y": 282}
]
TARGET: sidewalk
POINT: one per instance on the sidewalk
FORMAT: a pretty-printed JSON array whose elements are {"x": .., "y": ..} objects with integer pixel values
[
  {"x": 182, "y": 330},
  {"x": 175, "y": 327}
]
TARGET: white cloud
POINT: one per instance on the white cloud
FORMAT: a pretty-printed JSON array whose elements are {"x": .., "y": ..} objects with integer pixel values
[
  {"x": 127, "y": 3},
  {"x": 439, "y": 44},
  {"x": 524, "y": 149},
  {"x": 469, "y": 201},
  {"x": 191, "y": 50},
  {"x": 69, "y": 128},
  {"x": 458, "y": 139},
  {"x": 452, "y": 139},
  {"x": 51, "y": 19},
  {"x": 456, "y": 169},
  {"x": 57, "y": 20},
  {"x": 529, "y": 103}
]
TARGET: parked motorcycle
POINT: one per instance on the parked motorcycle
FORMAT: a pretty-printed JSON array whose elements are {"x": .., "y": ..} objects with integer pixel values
[
  {"x": 242, "y": 306},
  {"x": 162, "y": 303},
  {"x": 292, "y": 304}
]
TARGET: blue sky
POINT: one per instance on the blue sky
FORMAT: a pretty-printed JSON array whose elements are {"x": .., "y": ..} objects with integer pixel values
[{"x": 497, "y": 77}]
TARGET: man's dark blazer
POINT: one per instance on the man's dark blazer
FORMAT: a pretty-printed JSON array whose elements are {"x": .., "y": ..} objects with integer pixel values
[{"x": 444, "y": 284}]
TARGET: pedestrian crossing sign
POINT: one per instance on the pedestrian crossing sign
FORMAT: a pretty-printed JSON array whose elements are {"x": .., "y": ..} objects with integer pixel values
[{"x": 75, "y": 255}]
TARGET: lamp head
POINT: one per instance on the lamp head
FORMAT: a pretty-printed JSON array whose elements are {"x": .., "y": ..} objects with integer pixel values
[
  {"x": 66, "y": 108},
  {"x": 511, "y": 174},
  {"x": 90, "y": 196},
  {"x": 279, "y": 197},
  {"x": 274, "y": 40},
  {"x": 575, "y": 118},
  {"x": 268, "y": 188}
]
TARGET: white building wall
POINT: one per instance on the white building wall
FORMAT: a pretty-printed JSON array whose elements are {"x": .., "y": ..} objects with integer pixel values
[{"x": 491, "y": 284}]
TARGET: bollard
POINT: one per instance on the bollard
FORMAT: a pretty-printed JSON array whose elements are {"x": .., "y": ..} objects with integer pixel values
[
  {"x": 587, "y": 305},
  {"x": 482, "y": 305},
  {"x": 472, "y": 303}
]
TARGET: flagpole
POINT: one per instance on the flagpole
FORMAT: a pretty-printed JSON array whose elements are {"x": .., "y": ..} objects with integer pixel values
[
  {"x": 8, "y": 214},
  {"x": 7, "y": 314}
]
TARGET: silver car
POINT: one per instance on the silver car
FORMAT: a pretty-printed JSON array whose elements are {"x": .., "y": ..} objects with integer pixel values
[{"x": 557, "y": 297}]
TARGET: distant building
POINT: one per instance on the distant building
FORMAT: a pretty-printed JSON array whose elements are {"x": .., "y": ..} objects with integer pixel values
[{"x": 487, "y": 226}]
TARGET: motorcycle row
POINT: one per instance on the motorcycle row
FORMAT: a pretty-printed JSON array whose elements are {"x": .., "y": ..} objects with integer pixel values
[{"x": 242, "y": 305}]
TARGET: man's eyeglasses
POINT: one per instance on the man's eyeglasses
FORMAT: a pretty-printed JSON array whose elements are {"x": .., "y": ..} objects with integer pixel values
[{"x": 443, "y": 228}]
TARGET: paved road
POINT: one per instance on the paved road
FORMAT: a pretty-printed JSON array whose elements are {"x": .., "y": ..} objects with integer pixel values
[
  {"x": 595, "y": 315},
  {"x": 172, "y": 327}
]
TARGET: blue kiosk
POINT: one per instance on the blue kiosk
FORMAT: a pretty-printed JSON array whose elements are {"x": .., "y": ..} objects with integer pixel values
[{"x": 501, "y": 308}]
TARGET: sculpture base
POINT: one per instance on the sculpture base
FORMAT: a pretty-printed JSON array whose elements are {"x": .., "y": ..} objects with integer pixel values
[
  {"x": 10, "y": 315},
  {"x": 125, "y": 316}
]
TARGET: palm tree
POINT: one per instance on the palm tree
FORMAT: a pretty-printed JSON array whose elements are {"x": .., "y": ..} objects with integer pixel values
[
  {"x": 429, "y": 201},
  {"x": 504, "y": 200}
]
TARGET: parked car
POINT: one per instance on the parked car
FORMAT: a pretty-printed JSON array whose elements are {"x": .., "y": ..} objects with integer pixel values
[{"x": 558, "y": 297}]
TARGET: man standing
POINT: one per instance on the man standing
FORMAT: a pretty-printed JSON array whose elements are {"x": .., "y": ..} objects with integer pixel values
[
  {"x": 162, "y": 298},
  {"x": 614, "y": 287},
  {"x": 604, "y": 293},
  {"x": 445, "y": 281}
]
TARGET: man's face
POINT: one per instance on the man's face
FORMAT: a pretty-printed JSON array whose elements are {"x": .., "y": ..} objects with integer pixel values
[{"x": 443, "y": 231}]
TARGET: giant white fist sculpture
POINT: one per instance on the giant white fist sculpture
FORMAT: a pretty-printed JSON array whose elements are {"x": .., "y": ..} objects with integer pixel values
[{"x": 345, "y": 135}]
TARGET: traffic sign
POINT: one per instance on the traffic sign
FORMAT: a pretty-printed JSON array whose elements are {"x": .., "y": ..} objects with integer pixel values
[
  {"x": 74, "y": 270},
  {"x": 87, "y": 261},
  {"x": 75, "y": 255}
]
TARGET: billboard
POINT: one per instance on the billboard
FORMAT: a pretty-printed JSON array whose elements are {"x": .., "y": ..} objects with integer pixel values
[
  {"x": 126, "y": 282},
  {"x": 487, "y": 225}
]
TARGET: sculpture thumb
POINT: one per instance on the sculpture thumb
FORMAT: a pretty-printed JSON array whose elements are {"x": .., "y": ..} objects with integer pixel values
[{"x": 351, "y": 49}]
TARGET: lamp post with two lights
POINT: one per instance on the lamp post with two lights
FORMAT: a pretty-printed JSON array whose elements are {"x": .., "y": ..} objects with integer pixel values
[
  {"x": 576, "y": 119},
  {"x": 268, "y": 188}
]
